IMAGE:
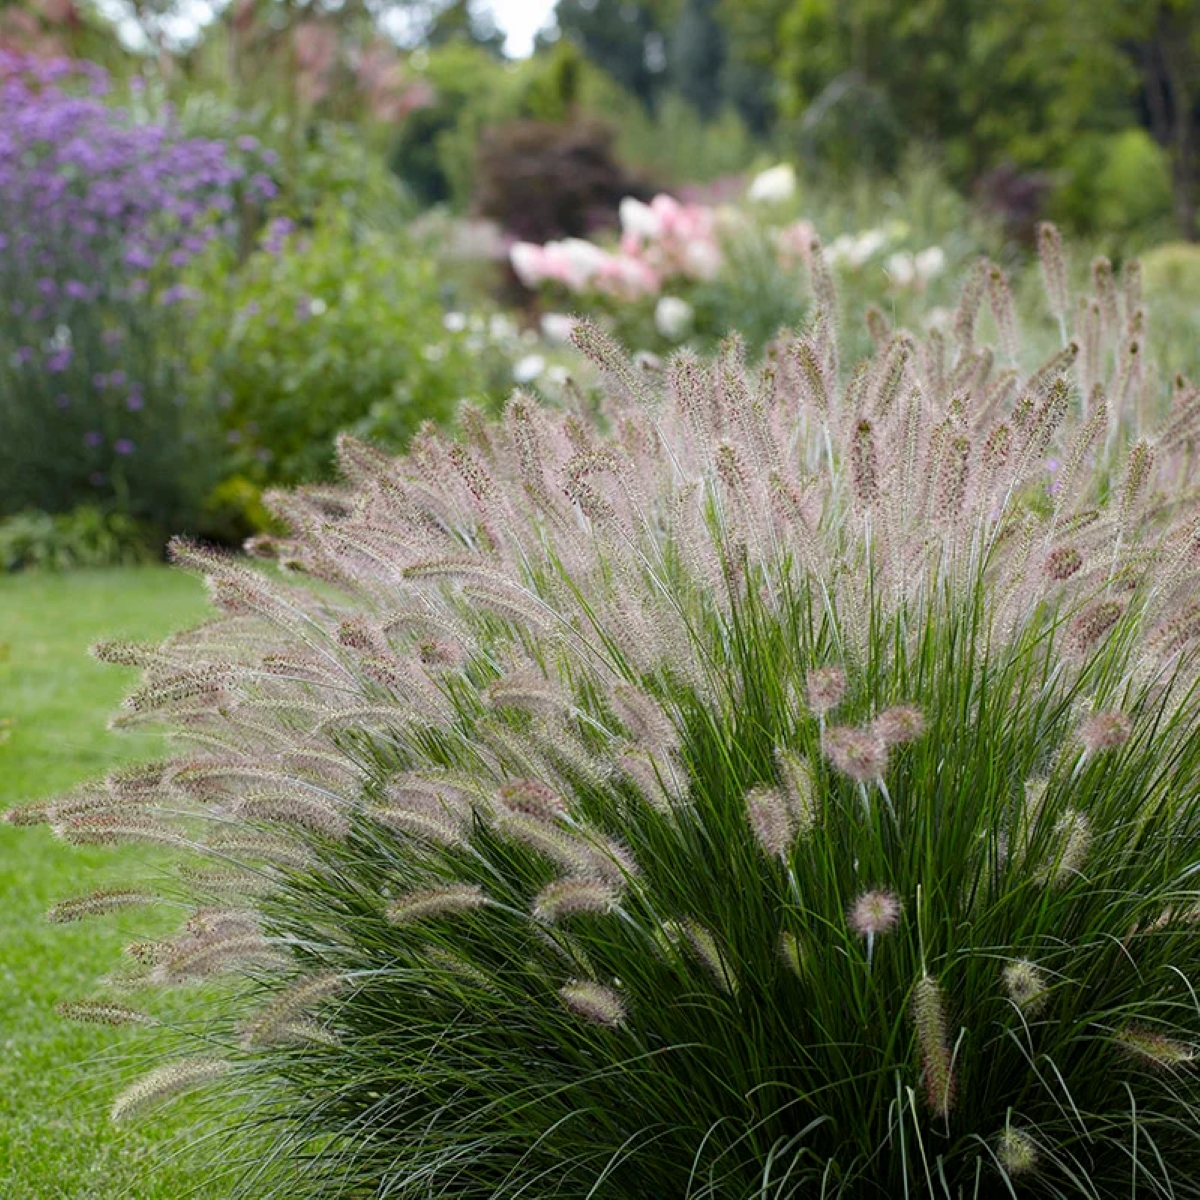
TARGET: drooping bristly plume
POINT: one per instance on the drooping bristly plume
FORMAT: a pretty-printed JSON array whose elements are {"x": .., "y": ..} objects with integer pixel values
[{"x": 777, "y": 782}]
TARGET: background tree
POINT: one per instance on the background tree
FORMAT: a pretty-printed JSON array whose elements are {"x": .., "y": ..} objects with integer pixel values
[
  {"x": 1162, "y": 41},
  {"x": 625, "y": 38}
]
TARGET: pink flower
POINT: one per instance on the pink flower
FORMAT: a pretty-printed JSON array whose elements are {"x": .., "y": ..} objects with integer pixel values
[
  {"x": 627, "y": 277},
  {"x": 529, "y": 262},
  {"x": 638, "y": 221}
]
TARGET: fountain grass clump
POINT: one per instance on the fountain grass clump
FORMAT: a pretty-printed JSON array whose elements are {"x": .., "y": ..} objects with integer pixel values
[{"x": 780, "y": 785}]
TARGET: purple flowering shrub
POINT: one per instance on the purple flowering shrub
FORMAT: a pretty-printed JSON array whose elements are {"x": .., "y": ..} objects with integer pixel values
[{"x": 98, "y": 214}]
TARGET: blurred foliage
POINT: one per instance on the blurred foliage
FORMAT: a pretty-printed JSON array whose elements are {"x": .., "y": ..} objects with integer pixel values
[
  {"x": 1040, "y": 84},
  {"x": 323, "y": 329},
  {"x": 548, "y": 179},
  {"x": 314, "y": 164},
  {"x": 1116, "y": 184},
  {"x": 678, "y": 146},
  {"x": 84, "y": 537},
  {"x": 441, "y": 147},
  {"x": 1171, "y": 275}
]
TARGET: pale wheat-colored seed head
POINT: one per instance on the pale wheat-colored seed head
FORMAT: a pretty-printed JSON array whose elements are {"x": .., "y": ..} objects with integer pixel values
[
  {"x": 1017, "y": 1152},
  {"x": 825, "y": 689},
  {"x": 166, "y": 1082},
  {"x": 875, "y": 912},
  {"x": 1156, "y": 1049},
  {"x": 1025, "y": 983},
  {"x": 900, "y": 724},
  {"x": 937, "y": 1067},
  {"x": 860, "y": 754},
  {"x": 566, "y": 897},
  {"x": 771, "y": 819},
  {"x": 593, "y": 1002},
  {"x": 1106, "y": 730},
  {"x": 436, "y": 902}
]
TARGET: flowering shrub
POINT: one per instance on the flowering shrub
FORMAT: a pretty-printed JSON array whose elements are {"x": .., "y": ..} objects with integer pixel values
[
  {"x": 685, "y": 271},
  {"x": 780, "y": 791},
  {"x": 98, "y": 214}
]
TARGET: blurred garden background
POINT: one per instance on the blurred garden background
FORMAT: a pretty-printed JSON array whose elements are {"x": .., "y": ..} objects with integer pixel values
[{"x": 230, "y": 231}]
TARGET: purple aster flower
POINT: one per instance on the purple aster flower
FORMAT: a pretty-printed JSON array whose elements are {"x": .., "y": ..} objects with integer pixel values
[
  {"x": 93, "y": 438},
  {"x": 59, "y": 361},
  {"x": 123, "y": 446}
]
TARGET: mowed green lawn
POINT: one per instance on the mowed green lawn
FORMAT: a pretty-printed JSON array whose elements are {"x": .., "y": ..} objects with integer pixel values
[{"x": 57, "y": 1078}]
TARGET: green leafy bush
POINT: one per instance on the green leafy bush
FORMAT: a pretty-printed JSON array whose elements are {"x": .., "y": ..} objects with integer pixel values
[
  {"x": 84, "y": 537},
  {"x": 1116, "y": 186},
  {"x": 324, "y": 329},
  {"x": 787, "y": 790}
]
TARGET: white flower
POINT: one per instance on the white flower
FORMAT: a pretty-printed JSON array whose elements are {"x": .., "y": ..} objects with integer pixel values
[
  {"x": 583, "y": 260},
  {"x": 938, "y": 318},
  {"x": 317, "y": 307},
  {"x": 930, "y": 262},
  {"x": 774, "y": 185},
  {"x": 866, "y": 246},
  {"x": 673, "y": 317},
  {"x": 557, "y": 375},
  {"x": 454, "y": 322},
  {"x": 527, "y": 369},
  {"x": 556, "y": 328},
  {"x": 901, "y": 268},
  {"x": 840, "y": 249},
  {"x": 702, "y": 259},
  {"x": 501, "y": 328},
  {"x": 639, "y": 219}
]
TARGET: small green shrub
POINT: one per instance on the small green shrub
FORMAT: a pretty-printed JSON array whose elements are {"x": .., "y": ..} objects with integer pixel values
[
  {"x": 1117, "y": 186},
  {"x": 84, "y": 537},
  {"x": 323, "y": 329},
  {"x": 786, "y": 790},
  {"x": 1172, "y": 271},
  {"x": 1172, "y": 283}
]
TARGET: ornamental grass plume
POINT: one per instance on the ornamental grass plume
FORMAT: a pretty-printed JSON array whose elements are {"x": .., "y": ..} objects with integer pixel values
[{"x": 591, "y": 897}]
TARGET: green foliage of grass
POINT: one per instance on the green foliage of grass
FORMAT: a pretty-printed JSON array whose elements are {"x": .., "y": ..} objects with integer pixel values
[{"x": 57, "y": 1078}]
